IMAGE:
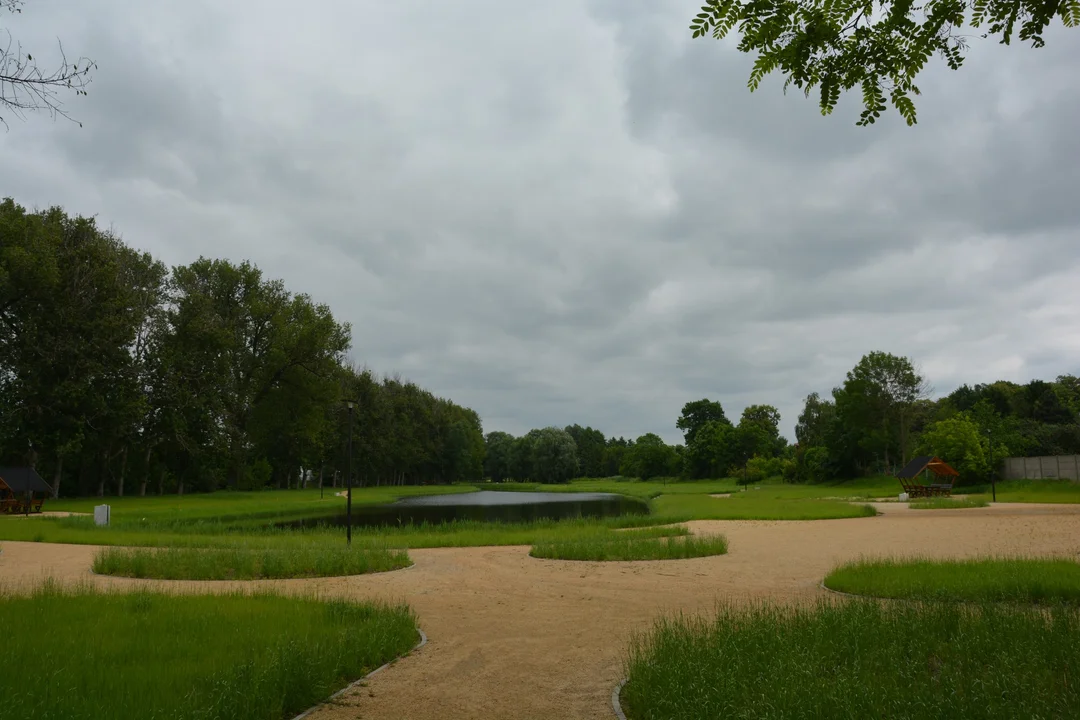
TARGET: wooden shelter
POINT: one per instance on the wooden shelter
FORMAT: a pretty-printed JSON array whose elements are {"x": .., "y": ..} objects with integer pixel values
[
  {"x": 925, "y": 466},
  {"x": 18, "y": 486}
]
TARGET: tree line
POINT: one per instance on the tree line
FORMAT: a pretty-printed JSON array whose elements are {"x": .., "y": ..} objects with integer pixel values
[
  {"x": 119, "y": 375},
  {"x": 877, "y": 419},
  {"x": 882, "y": 416}
]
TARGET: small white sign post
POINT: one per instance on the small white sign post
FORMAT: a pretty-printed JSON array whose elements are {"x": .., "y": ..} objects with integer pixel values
[{"x": 102, "y": 514}]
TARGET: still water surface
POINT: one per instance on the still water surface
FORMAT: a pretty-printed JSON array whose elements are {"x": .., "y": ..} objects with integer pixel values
[{"x": 486, "y": 506}]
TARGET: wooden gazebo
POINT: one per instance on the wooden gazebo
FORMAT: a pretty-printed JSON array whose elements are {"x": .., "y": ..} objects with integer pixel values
[
  {"x": 935, "y": 470},
  {"x": 18, "y": 486}
]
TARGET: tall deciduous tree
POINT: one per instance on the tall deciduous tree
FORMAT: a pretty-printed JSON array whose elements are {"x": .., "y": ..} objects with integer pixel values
[
  {"x": 498, "y": 460},
  {"x": 651, "y": 457},
  {"x": 814, "y": 421},
  {"x": 590, "y": 449},
  {"x": 255, "y": 338},
  {"x": 695, "y": 414},
  {"x": 875, "y": 408}
]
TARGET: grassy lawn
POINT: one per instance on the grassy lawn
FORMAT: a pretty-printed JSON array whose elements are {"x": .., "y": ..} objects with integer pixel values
[
  {"x": 229, "y": 505},
  {"x": 764, "y": 504},
  {"x": 857, "y": 660},
  {"x": 646, "y": 490},
  {"x": 84, "y": 655},
  {"x": 298, "y": 561},
  {"x": 1035, "y": 491},
  {"x": 632, "y": 546},
  {"x": 1020, "y": 580},
  {"x": 244, "y": 519},
  {"x": 939, "y": 503}
]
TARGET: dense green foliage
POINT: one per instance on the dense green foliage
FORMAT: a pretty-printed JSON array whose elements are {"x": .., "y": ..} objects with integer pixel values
[
  {"x": 716, "y": 448},
  {"x": 857, "y": 660},
  {"x": 312, "y": 559},
  {"x": 1021, "y": 580},
  {"x": 877, "y": 47},
  {"x": 85, "y": 654},
  {"x": 120, "y": 376},
  {"x": 881, "y": 416},
  {"x": 631, "y": 546}
]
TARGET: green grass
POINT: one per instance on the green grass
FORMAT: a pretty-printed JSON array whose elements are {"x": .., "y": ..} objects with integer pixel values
[
  {"x": 300, "y": 561},
  {"x": 940, "y": 503},
  {"x": 761, "y": 504},
  {"x": 84, "y": 654},
  {"x": 857, "y": 660},
  {"x": 231, "y": 505},
  {"x": 235, "y": 519},
  {"x": 632, "y": 546},
  {"x": 1035, "y": 491},
  {"x": 1020, "y": 580}
]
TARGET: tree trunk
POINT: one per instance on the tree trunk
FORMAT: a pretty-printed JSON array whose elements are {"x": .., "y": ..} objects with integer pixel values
[
  {"x": 146, "y": 474},
  {"x": 57, "y": 476},
  {"x": 161, "y": 483},
  {"x": 322, "y": 469},
  {"x": 180, "y": 485},
  {"x": 123, "y": 471}
]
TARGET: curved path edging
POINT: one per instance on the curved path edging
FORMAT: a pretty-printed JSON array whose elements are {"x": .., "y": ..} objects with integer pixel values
[
  {"x": 615, "y": 704},
  {"x": 852, "y": 595},
  {"x": 350, "y": 686}
]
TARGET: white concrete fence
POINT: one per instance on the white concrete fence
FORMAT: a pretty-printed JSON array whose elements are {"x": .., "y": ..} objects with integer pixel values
[{"x": 1049, "y": 466}]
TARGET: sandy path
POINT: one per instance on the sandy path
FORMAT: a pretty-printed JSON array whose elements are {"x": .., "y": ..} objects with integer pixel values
[{"x": 515, "y": 637}]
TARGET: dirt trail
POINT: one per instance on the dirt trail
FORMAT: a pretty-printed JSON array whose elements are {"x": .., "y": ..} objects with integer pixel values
[{"x": 515, "y": 637}]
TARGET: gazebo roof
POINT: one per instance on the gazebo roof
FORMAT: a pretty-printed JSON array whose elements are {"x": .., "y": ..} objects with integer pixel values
[
  {"x": 926, "y": 462},
  {"x": 22, "y": 479}
]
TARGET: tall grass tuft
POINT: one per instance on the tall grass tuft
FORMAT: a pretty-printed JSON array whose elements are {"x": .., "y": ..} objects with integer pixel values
[
  {"x": 857, "y": 660},
  {"x": 247, "y": 563},
  {"x": 85, "y": 654},
  {"x": 627, "y": 546},
  {"x": 1022, "y": 580}
]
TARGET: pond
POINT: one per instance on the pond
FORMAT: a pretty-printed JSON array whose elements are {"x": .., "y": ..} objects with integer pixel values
[{"x": 485, "y": 506}]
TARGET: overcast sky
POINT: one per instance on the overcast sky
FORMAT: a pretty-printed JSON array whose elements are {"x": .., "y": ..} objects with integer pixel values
[{"x": 569, "y": 211}]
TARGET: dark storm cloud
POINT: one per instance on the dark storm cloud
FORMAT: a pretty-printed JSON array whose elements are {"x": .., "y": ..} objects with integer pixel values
[{"x": 571, "y": 211}]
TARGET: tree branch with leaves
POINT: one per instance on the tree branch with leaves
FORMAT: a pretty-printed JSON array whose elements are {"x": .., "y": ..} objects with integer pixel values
[{"x": 879, "y": 47}]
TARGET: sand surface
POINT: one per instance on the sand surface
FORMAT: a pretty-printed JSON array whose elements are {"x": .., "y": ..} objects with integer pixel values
[{"x": 516, "y": 637}]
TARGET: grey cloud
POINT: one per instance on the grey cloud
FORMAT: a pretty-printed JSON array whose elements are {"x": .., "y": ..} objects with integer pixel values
[{"x": 571, "y": 211}]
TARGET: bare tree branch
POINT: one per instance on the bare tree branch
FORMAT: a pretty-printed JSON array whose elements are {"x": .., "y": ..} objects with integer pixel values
[{"x": 25, "y": 86}]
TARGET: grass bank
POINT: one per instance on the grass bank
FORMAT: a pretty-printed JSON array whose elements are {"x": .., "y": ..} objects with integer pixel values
[
  {"x": 298, "y": 561},
  {"x": 1035, "y": 491},
  {"x": 632, "y": 546},
  {"x": 1019, "y": 580},
  {"x": 948, "y": 503},
  {"x": 755, "y": 505},
  {"x": 857, "y": 660},
  {"x": 83, "y": 654}
]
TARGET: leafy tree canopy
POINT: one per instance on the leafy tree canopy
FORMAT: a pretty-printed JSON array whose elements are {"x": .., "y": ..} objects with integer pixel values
[{"x": 695, "y": 414}]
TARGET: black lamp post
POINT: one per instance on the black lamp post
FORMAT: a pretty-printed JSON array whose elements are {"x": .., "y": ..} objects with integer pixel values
[
  {"x": 993, "y": 473},
  {"x": 348, "y": 482}
]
